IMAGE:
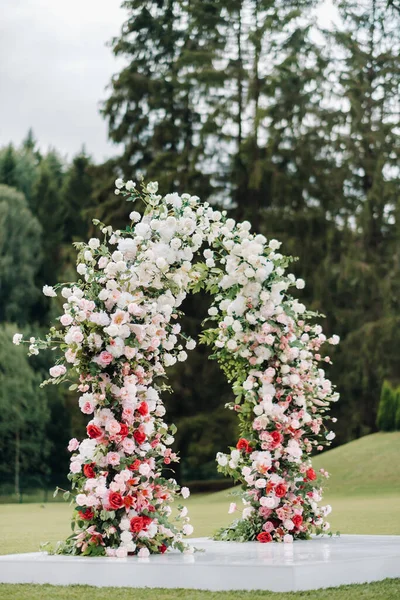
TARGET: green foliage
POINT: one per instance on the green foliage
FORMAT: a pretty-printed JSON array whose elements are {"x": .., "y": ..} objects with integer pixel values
[
  {"x": 387, "y": 408},
  {"x": 24, "y": 447},
  {"x": 20, "y": 256},
  {"x": 397, "y": 415}
]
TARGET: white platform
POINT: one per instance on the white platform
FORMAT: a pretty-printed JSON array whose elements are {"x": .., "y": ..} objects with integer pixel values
[{"x": 304, "y": 565}]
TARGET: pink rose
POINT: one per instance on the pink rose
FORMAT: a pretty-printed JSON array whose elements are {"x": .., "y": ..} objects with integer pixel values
[
  {"x": 128, "y": 445},
  {"x": 77, "y": 336},
  {"x": 113, "y": 426},
  {"x": 121, "y": 552},
  {"x": 104, "y": 358},
  {"x": 113, "y": 458},
  {"x": 66, "y": 320},
  {"x": 87, "y": 408},
  {"x": 57, "y": 370},
  {"x": 268, "y": 526},
  {"x": 75, "y": 467},
  {"x": 70, "y": 356},
  {"x": 73, "y": 445}
]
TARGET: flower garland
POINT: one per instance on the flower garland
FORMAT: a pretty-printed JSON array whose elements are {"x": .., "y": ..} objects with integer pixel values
[{"x": 120, "y": 332}]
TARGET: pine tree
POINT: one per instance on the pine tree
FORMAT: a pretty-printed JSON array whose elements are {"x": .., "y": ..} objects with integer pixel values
[
  {"x": 157, "y": 102},
  {"x": 77, "y": 198},
  {"x": 365, "y": 75},
  {"x": 8, "y": 167}
]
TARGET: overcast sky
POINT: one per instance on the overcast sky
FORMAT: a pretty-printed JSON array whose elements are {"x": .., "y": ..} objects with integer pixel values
[{"x": 54, "y": 68}]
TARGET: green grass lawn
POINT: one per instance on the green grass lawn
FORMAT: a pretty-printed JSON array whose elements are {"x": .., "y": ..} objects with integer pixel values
[{"x": 364, "y": 491}]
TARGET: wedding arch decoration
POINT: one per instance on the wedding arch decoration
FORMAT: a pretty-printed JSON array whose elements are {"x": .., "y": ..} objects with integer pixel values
[{"x": 120, "y": 332}]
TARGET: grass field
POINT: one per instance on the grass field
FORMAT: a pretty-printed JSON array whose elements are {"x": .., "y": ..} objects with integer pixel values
[{"x": 364, "y": 491}]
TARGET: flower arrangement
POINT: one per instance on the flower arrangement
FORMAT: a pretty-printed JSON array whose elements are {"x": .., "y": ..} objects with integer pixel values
[{"x": 119, "y": 333}]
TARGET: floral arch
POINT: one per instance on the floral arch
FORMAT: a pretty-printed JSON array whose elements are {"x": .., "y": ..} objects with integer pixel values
[{"x": 120, "y": 332}]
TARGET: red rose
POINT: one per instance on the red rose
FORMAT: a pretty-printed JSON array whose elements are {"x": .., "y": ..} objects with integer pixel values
[
  {"x": 88, "y": 470},
  {"x": 137, "y": 524},
  {"x": 277, "y": 439},
  {"x": 86, "y": 515},
  {"x": 123, "y": 431},
  {"x": 297, "y": 520},
  {"x": 280, "y": 490},
  {"x": 311, "y": 475},
  {"x": 93, "y": 431},
  {"x": 162, "y": 548},
  {"x": 264, "y": 537},
  {"x": 143, "y": 409},
  {"x": 115, "y": 500},
  {"x": 243, "y": 444},
  {"x": 146, "y": 521},
  {"x": 139, "y": 436},
  {"x": 135, "y": 465}
]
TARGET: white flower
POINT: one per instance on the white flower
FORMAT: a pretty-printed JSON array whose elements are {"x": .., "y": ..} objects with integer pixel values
[
  {"x": 300, "y": 283},
  {"x": 187, "y": 529},
  {"x": 222, "y": 459},
  {"x": 49, "y": 291},
  {"x": 17, "y": 338},
  {"x": 232, "y": 508},
  {"x": 130, "y": 185},
  {"x": 119, "y": 183},
  {"x": 152, "y": 187},
  {"x": 274, "y": 244},
  {"x": 185, "y": 492},
  {"x": 81, "y": 269},
  {"x": 94, "y": 243},
  {"x": 134, "y": 216},
  {"x": 334, "y": 340},
  {"x": 144, "y": 553},
  {"x": 287, "y": 538},
  {"x": 190, "y": 344},
  {"x": 330, "y": 436}
]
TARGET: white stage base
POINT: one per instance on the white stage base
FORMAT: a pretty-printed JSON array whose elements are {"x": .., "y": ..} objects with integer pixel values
[{"x": 304, "y": 565}]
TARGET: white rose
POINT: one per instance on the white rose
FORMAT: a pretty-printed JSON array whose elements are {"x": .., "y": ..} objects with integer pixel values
[
  {"x": 185, "y": 492},
  {"x": 134, "y": 216},
  {"x": 49, "y": 291},
  {"x": 130, "y": 185},
  {"x": 94, "y": 243},
  {"x": 17, "y": 338}
]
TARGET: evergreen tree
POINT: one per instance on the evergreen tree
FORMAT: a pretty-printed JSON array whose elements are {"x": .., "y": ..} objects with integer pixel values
[
  {"x": 50, "y": 210},
  {"x": 20, "y": 257},
  {"x": 8, "y": 165},
  {"x": 77, "y": 198}
]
